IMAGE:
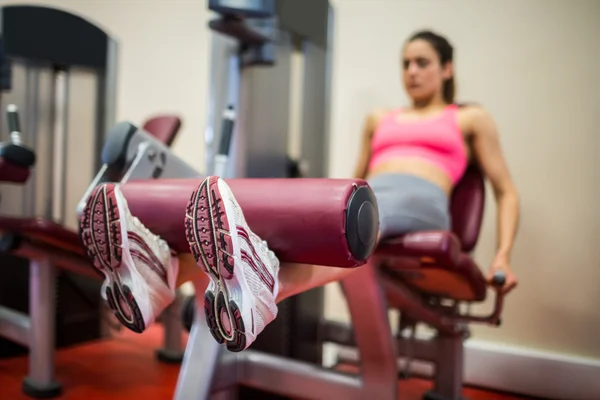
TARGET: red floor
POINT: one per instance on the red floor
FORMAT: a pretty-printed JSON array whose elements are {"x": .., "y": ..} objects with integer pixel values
[{"x": 126, "y": 368}]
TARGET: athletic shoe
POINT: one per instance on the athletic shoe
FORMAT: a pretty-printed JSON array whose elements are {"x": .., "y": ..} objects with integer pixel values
[
  {"x": 139, "y": 268},
  {"x": 240, "y": 299}
]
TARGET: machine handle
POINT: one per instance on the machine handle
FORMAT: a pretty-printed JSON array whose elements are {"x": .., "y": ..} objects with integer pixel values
[
  {"x": 499, "y": 279},
  {"x": 227, "y": 131},
  {"x": 222, "y": 156},
  {"x": 14, "y": 127},
  {"x": 13, "y": 151}
]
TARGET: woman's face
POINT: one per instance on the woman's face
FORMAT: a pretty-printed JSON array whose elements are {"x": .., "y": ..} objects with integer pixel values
[{"x": 422, "y": 73}]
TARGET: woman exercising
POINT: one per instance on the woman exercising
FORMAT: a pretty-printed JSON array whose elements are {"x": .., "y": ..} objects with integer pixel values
[{"x": 412, "y": 158}]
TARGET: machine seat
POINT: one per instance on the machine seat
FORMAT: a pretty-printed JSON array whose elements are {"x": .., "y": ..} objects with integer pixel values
[
  {"x": 43, "y": 231},
  {"x": 437, "y": 263},
  {"x": 12, "y": 173},
  {"x": 433, "y": 264},
  {"x": 163, "y": 128}
]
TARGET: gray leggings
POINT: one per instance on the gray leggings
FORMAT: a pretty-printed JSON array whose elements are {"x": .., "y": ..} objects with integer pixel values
[{"x": 408, "y": 204}]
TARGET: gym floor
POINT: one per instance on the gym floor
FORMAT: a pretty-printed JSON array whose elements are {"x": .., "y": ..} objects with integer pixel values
[{"x": 125, "y": 367}]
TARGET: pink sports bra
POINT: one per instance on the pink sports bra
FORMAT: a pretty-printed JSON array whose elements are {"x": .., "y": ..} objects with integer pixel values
[{"x": 438, "y": 140}]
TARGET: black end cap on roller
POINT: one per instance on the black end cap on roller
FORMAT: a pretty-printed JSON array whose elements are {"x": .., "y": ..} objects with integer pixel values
[{"x": 362, "y": 223}]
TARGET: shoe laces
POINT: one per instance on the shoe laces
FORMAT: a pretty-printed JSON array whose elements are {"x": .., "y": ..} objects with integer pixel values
[
  {"x": 270, "y": 253},
  {"x": 139, "y": 225}
]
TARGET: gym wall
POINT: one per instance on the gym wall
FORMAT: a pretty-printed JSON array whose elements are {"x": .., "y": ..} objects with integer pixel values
[{"x": 533, "y": 64}]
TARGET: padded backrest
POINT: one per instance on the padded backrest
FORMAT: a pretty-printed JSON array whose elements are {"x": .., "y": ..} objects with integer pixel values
[
  {"x": 164, "y": 128},
  {"x": 466, "y": 207}
]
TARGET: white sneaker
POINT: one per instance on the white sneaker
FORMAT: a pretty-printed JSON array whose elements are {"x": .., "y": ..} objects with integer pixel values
[
  {"x": 240, "y": 299},
  {"x": 139, "y": 269}
]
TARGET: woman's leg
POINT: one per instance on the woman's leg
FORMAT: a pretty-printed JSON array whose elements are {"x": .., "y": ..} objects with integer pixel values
[
  {"x": 246, "y": 281},
  {"x": 293, "y": 278},
  {"x": 299, "y": 278},
  {"x": 189, "y": 271},
  {"x": 139, "y": 269},
  {"x": 142, "y": 274}
]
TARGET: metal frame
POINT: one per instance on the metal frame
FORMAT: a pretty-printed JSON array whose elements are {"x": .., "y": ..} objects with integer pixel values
[
  {"x": 36, "y": 330},
  {"x": 209, "y": 369},
  {"x": 445, "y": 350},
  {"x": 145, "y": 157},
  {"x": 58, "y": 96}
]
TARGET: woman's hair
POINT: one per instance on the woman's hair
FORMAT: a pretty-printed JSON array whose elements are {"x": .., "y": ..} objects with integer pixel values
[{"x": 445, "y": 52}]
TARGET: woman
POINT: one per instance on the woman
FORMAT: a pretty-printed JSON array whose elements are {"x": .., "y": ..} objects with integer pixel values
[{"x": 411, "y": 157}]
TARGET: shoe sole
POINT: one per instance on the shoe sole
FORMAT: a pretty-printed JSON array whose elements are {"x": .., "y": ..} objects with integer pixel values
[
  {"x": 208, "y": 232},
  {"x": 102, "y": 236}
]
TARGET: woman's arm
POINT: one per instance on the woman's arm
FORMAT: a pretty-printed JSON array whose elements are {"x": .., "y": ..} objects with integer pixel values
[
  {"x": 369, "y": 126},
  {"x": 486, "y": 145}
]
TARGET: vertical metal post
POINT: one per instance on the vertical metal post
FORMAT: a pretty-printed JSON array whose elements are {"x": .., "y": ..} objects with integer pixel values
[
  {"x": 42, "y": 310},
  {"x": 49, "y": 180},
  {"x": 379, "y": 368},
  {"x": 262, "y": 125},
  {"x": 296, "y": 100},
  {"x": 222, "y": 163},
  {"x": 228, "y": 167},
  {"x": 106, "y": 88},
  {"x": 60, "y": 146},
  {"x": 328, "y": 88},
  {"x": 232, "y": 99},
  {"x": 223, "y": 91},
  {"x": 210, "y": 129},
  {"x": 448, "y": 368},
  {"x": 110, "y": 92},
  {"x": 172, "y": 351},
  {"x": 29, "y": 133},
  {"x": 200, "y": 359}
]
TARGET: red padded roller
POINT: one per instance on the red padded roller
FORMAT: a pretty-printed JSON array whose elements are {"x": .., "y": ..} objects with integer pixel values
[{"x": 314, "y": 221}]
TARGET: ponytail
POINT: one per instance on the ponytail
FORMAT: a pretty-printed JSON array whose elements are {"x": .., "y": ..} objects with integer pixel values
[{"x": 449, "y": 90}]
